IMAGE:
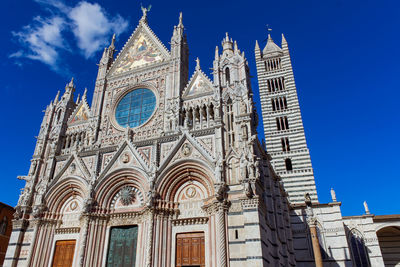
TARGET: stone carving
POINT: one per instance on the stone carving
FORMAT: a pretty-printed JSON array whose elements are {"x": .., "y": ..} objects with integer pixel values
[
  {"x": 127, "y": 195},
  {"x": 191, "y": 192},
  {"x": 125, "y": 158},
  {"x": 186, "y": 150}
]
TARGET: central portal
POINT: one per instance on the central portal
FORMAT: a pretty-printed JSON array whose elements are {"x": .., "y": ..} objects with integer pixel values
[
  {"x": 122, "y": 246},
  {"x": 190, "y": 250}
]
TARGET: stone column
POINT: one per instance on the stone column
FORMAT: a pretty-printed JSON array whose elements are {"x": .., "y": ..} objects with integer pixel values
[
  {"x": 83, "y": 240},
  {"x": 36, "y": 224},
  {"x": 315, "y": 244},
  {"x": 221, "y": 230},
  {"x": 149, "y": 245}
]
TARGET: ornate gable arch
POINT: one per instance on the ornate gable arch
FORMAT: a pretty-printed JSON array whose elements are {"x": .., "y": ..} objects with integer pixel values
[
  {"x": 63, "y": 190},
  {"x": 169, "y": 182},
  {"x": 110, "y": 185}
]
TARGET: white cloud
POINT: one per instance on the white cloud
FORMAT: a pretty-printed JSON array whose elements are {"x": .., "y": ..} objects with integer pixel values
[
  {"x": 44, "y": 39},
  {"x": 92, "y": 27}
]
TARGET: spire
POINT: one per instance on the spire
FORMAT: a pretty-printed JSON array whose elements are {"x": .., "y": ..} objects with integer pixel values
[
  {"x": 284, "y": 43},
  {"x": 77, "y": 99},
  {"x": 235, "y": 47},
  {"x": 283, "y": 39},
  {"x": 112, "y": 46},
  {"x": 257, "y": 46},
  {"x": 227, "y": 43},
  {"x": 216, "y": 53},
  {"x": 271, "y": 47},
  {"x": 180, "y": 20},
  {"x": 70, "y": 84},
  {"x": 57, "y": 97},
  {"x": 84, "y": 94}
]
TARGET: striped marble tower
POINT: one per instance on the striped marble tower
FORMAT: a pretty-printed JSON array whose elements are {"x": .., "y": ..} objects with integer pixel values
[{"x": 283, "y": 125}]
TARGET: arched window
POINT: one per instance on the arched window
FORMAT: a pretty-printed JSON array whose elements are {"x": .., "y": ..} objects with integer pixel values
[
  {"x": 288, "y": 164},
  {"x": 358, "y": 251},
  {"x": 227, "y": 76}
]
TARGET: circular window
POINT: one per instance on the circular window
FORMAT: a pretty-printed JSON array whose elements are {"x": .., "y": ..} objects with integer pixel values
[{"x": 135, "y": 108}]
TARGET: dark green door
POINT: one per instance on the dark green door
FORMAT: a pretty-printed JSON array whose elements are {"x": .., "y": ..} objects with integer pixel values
[{"x": 122, "y": 246}]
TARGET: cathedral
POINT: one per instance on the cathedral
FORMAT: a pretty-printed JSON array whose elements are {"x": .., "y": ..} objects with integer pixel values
[{"x": 165, "y": 168}]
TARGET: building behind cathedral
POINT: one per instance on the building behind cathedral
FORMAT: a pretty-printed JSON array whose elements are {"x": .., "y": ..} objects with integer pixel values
[{"x": 164, "y": 168}]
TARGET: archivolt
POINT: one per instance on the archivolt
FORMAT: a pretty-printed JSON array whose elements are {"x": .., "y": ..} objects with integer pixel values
[
  {"x": 176, "y": 175},
  {"x": 63, "y": 190},
  {"x": 109, "y": 186}
]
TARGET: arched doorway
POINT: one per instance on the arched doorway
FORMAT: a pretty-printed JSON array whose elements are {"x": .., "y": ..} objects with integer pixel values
[{"x": 389, "y": 242}]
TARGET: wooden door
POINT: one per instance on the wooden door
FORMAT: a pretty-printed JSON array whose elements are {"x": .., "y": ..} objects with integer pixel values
[
  {"x": 122, "y": 246},
  {"x": 64, "y": 253},
  {"x": 190, "y": 250}
]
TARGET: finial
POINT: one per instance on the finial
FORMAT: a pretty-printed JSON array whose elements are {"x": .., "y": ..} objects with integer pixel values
[
  {"x": 235, "y": 47},
  {"x": 144, "y": 10},
  {"x": 113, "y": 41},
  {"x": 227, "y": 36},
  {"x": 197, "y": 63},
  {"x": 257, "y": 46},
  {"x": 269, "y": 29},
  {"x": 71, "y": 83},
  {"x": 180, "y": 19},
  {"x": 333, "y": 195},
  {"x": 84, "y": 93},
  {"x": 57, "y": 96},
  {"x": 216, "y": 52},
  {"x": 77, "y": 99},
  {"x": 283, "y": 39},
  {"x": 366, "y": 208}
]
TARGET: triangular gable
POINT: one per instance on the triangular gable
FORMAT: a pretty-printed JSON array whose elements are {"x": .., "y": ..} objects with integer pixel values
[
  {"x": 126, "y": 156},
  {"x": 74, "y": 166},
  {"x": 193, "y": 149},
  {"x": 81, "y": 113},
  {"x": 198, "y": 85},
  {"x": 143, "y": 48}
]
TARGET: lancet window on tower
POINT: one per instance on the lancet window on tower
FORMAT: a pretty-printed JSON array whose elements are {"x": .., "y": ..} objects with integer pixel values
[
  {"x": 279, "y": 103},
  {"x": 285, "y": 144},
  {"x": 230, "y": 123},
  {"x": 276, "y": 84},
  {"x": 288, "y": 164},
  {"x": 272, "y": 64},
  {"x": 282, "y": 123},
  {"x": 227, "y": 76}
]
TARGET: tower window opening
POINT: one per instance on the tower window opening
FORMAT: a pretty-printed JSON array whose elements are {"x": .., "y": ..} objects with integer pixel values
[
  {"x": 285, "y": 144},
  {"x": 273, "y": 104},
  {"x": 227, "y": 76},
  {"x": 230, "y": 123},
  {"x": 282, "y": 123},
  {"x": 236, "y": 234},
  {"x": 288, "y": 164}
]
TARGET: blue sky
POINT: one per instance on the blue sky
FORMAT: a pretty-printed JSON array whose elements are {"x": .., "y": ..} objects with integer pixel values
[{"x": 345, "y": 57}]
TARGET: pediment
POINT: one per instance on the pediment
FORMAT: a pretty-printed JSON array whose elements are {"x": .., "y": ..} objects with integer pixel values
[
  {"x": 81, "y": 114},
  {"x": 127, "y": 156},
  {"x": 142, "y": 49},
  {"x": 198, "y": 85},
  {"x": 74, "y": 166},
  {"x": 187, "y": 147}
]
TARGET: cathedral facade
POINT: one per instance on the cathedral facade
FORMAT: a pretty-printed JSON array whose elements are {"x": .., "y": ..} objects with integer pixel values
[{"x": 164, "y": 168}]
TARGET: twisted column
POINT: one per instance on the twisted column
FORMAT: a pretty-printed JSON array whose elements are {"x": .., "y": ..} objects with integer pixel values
[{"x": 220, "y": 216}]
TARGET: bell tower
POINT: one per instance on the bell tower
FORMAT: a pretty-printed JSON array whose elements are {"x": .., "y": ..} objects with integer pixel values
[{"x": 283, "y": 125}]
